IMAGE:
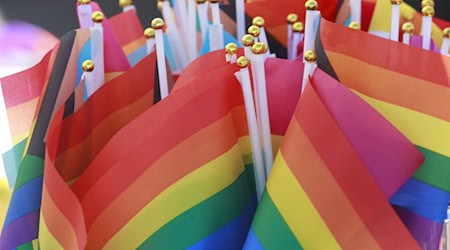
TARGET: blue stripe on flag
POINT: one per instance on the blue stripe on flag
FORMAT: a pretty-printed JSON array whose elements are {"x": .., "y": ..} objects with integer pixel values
[
  {"x": 423, "y": 199},
  {"x": 227, "y": 38},
  {"x": 252, "y": 242},
  {"x": 137, "y": 55},
  {"x": 169, "y": 54},
  {"x": 25, "y": 200},
  {"x": 85, "y": 54},
  {"x": 230, "y": 236}
]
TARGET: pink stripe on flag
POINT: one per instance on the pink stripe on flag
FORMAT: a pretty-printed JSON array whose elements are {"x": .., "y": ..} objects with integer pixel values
[{"x": 371, "y": 137}]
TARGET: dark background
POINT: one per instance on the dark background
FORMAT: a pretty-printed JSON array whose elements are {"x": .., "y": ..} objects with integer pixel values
[{"x": 59, "y": 16}]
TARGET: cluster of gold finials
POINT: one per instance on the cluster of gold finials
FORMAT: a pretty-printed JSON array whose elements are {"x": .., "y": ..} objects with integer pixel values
[
  {"x": 260, "y": 48},
  {"x": 427, "y": 10}
]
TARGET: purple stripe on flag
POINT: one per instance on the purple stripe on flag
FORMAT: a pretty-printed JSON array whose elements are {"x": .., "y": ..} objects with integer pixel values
[
  {"x": 390, "y": 157},
  {"x": 417, "y": 41},
  {"x": 426, "y": 232},
  {"x": 21, "y": 231}
]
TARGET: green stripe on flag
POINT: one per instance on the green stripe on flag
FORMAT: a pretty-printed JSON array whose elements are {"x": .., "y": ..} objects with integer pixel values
[
  {"x": 270, "y": 227},
  {"x": 435, "y": 170},
  {"x": 30, "y": 168},
  {"x": 249, "y": 171},
  {"x": 203, "y": 219},
  {"x": 12, "y": 159}
]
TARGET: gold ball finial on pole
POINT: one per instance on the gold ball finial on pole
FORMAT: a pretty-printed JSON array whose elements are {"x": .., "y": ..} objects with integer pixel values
[
  {"x": 311, "y": 5},
  {"x": 446, "y": 32},
  {"x": 157, "y": 23},
  {"x": 258, "y": 21},
  {"x": 88, "y": 66},
  {"x": 125, "y": 3},
  {"x": 355, "y": 26},
  {"x": 396, "y": 2},
  {"x": 408, "y": 27},
  {"x": 428, "y": 11},
  {"x": 231, "y": 48},
  {"x": 242, "y": 62},
  {"x": 292, "y": 18},
  {"x": 149, "y": 33},
  {"x": 248, "y": 40},
  {"x": 253, "y": 30},
  {"x": 97, "y": 17},
  {"x": 298, "y": 27},
  {"x": 310, "y": 56},
  {"x": 259, "y": 48},
  {"x": 427, "y": 3}
]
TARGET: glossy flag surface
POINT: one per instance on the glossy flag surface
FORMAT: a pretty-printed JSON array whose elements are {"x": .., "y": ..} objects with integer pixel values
[
  {"x": 338, "y": 164},
  {"x": 410, "y": 88}
]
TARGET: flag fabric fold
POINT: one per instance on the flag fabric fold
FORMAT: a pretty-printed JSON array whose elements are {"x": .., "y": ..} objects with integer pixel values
[
  {"x": 410, "y": 88},
  {"x": 323, "y": 170}
]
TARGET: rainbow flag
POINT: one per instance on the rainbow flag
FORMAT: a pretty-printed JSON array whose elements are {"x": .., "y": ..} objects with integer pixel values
[
  {"x": 410, "y": 88},
  {"x": 331, "y": 180},
  {"x": 111, "y": 46},
  {"x": 380, "y": 24},
  {"x": 283, "y": 83},
  {"x": 197, "y": 189},
  {"x": 274, "y": 13},
  {"x": 21, "y": 93},
  {"x": 22, "y": 220},
  {"x": 128, "y": 30},
  {"x": 21, "y": 223},
  {"x": 85, "y": 131}
]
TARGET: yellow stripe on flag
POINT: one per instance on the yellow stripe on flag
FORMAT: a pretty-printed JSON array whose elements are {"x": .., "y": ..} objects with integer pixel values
[
  {"x": 297, "y": 209},
  {"x": 423, "y": 130},
  {"x": 5, "y": 197},
  {"x": 203, "y": 183},
  {"x": 46, "y": 238}
]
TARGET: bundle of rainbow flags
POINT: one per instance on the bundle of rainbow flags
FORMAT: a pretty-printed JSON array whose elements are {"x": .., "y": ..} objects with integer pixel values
[{"x": 327, "y": 126}]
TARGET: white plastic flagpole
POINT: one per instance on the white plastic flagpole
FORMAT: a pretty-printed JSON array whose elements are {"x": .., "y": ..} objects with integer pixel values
[
  {"x": 202, "y": 16},
  {"x": 355, "y": 11},
  {"x": 97, "y": 54},
  {"x": 259, "y": 80},
  {"x": 231, "y": 49},
  {"x": 84, "y": 11},
  {"x": 243, "y": 77},
  {"x": 291, "y": 19},
  {"x": 311, "y": 22},
  {"x": 216, "y": 29},
  {"x": 408, "y": 29},
  {"x": 181, "y": 14},
  {"x": 174, "y": 36},
  {"x": 310, "y": 65},
  {"x": 259, "y": 22},
  {"x": 395, "y": 19},
  {"x": 192, "y": 30},
  {"x": 240, "y": 18},
  {"x": 427, "y": 20},
  {"x": 127, "y": 5},
  {"x": 149, "y": 34},
  {"x": 446, "y": 42},
  {"x": 248, "y": 41},
  {"x": 157, "y": 25},
  {"x": 297, "y": 37}
]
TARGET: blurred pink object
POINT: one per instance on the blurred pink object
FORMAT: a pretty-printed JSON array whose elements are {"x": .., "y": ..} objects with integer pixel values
[{"x": 23, "y": 45}]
